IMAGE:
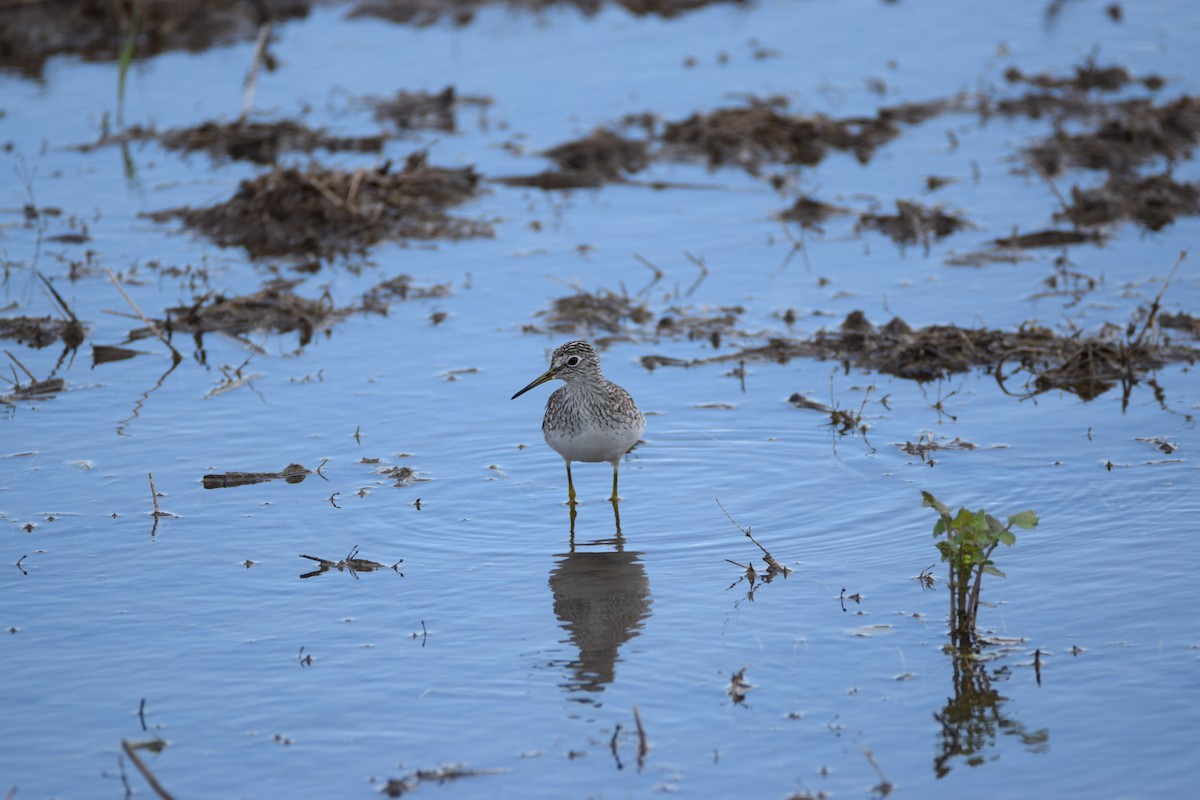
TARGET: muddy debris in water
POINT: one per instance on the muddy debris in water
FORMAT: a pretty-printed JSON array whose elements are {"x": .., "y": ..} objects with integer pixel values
[
  {"x": 34, "y": 31},
  {"x": 379, "y": 298},
  {"x": 1086, "y": 76},
  {"x": 39, "y": 332},
  {"x": 325, "y": 213},
  {"x": 711, "y": 324},
  {"x": 1048, "y": 238},
  {"x": 762, "y": 131},
  {"x": 351, "y": 563},
  {"x": 628, "y": 318},
  {"x": 926, "y": 445},
  {"x": 602, "y": 310},
  {"x": 553, "y": 180},
  {"x": 275, "y": 307},
  {"x": 292, "y": 473},
  {"x": 107, "y": 353},
  {"x": 398, "y": 787},
  {"x": 408, "y": 111},
  {"x": 1085, "y": 365},
  {"x": 602, "y": 156},
  {"x": 1181, "y": 322},
  {"x": 1131, "y": 134},
  {"x": 738, "y": 686},
  {"x": 32, "y": 390},
  {"x": 241, "y": 140},
  {"x": 914, "y": 223},
  {"x": 982, "y": 258},
  {"x": 462, "y": 12},
  {"x": 810, "y": 213},
  {"x": 403, "y": 476},
  {"x": 1152, "y": 202}
]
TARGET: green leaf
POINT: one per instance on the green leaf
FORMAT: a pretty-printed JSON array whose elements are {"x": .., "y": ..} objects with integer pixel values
[
  {"x": 1025, "y": 519},
  {"x": 993, "y": 525},
  {"x": 992, "y": 569},
  {"x": 940, "y": 527},
  {"x": 930, "y": 501},
  {"x": 1006, "y": 538}
]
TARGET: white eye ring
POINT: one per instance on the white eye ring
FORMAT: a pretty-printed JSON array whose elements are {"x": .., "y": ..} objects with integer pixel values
[{"x": 573, "y": 361}]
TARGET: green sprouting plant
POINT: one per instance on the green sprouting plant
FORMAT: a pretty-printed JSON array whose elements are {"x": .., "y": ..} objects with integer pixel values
[
  {"x": 125, "y": 58},
  {"x": 967, "y": 540}
]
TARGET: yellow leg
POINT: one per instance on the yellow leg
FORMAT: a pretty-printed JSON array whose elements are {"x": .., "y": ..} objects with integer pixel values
[
  {"x": 570, "y": 486},
  {"x": 614, "y": 497}
]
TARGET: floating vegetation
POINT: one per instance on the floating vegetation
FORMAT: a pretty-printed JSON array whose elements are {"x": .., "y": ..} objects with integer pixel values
[
  {"x": 324, "y": 213},
  {"x": 914, "y": 223},
  {"x": 1085, "y": 365},
  {"x": 398, "y": 787},
  {"x": 603, "y": 153},
  {"x": 408, "y": 111},
  {"x": 292, "y": 473},
  {"x": 596, "y": 311},
  {"x": 1152, "y": 202},
  {"x": 810, "y": 213},
  {"x": 275, "y": 307},
  {"x": 33, "y": 32},
  {"x": 38, "y": 332},
  {"x": 351, "y": 563},
  {"x": 32, "y": 389},
  {"x": 761, "y": 132},
  {"x": 260, "y": 142},
  {"x": 738, "y": 686}
]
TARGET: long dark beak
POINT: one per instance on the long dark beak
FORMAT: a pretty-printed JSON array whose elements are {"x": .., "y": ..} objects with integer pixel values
[{"x": 548, "y": 375}]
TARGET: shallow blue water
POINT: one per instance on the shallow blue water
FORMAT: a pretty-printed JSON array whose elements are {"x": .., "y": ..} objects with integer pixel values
[{"x": 498, "y": 647}]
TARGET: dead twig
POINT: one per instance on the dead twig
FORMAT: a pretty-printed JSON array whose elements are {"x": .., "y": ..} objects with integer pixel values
[
  {"x": 24, "y": 369},
  {"x": 885, "y": 786},
  {"x": 153, "y": 328},
  {"x": 643, "y": 746},
  {"x": 130, "y": 750},
  {"x": 1156, "y": 305},
  {"x": 772, "y": 564},
  {"x": 260, "y": 51}
]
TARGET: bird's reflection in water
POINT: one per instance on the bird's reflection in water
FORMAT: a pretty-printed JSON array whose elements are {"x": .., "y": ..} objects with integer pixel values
[{"x": 601, "y": 599}]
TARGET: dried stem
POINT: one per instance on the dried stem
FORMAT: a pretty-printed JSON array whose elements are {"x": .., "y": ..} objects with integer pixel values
[
  {"x": 153, "y": 328},
  {"x": 643, "y": 747},
  {"x": 146, "y": 773}
]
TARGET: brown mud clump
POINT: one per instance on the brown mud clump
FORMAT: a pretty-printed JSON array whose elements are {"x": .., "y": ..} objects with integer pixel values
[
  {"x": 38, "y": 332},
  {"x": 408, "y": 111},
  {"x": 1086, "y": 366},
  {"x": 324, "y": 213},
  {"x": 588, "y": 163},
  {"x": 596, "y": 311},
  {"x": 292, "y": 473},
  {"x": 914, "y": 223},
  {"x": 260, "y": 142},
  {"x": 762, "y": 132},
  {"x": 275, "y": 308},
  {"x": 810, "y": 213},
  {"x": 1153, "y": 202},
  {"x": 462, "y": 12},
  {"x": 95, "y": 29}
]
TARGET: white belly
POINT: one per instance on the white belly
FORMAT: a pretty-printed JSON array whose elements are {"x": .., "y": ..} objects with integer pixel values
[{"x": 596, "y": 445}]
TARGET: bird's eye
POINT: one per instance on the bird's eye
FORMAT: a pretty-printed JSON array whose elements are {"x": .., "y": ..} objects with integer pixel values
[{"x": 573, "y": 361}]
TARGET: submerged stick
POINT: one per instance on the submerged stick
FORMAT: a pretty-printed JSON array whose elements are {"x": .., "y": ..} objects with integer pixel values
[
  {"x": 146, "y": 773},
  {"x": 770, "y": 559},
  {"x": 260, "y": 49},
  {"x": 153, "y": 328},
  {"x": 154, "y": 495},
  {"x": 643, "y": 747}
]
